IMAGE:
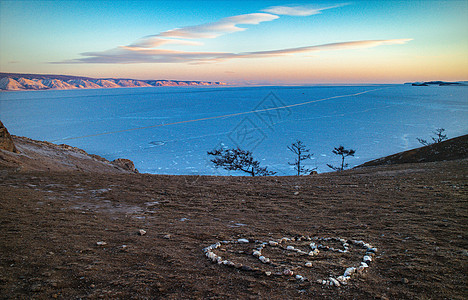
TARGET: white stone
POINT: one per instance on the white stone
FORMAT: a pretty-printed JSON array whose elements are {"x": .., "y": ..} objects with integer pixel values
[
  {"x": 342, "y": 279},
  {"x": 289, "y": 248},
  {"x": 334, "y": 281},
  {"x": 367, "y": 258},
  {"x": 256, "y": 253},
  {"x": 349, "y": 271},
  {"x": 299, "y": 277},
  {"x": 273, "y": 243},
  {"x": 264, "y": 259},
  {"x": 243, "y": 241}
]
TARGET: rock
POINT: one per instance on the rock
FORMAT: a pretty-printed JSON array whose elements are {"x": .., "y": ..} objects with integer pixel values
[
  {"x": 349, "y": 271},
  {"x": 334, "y": 281},
  {"x": 6, "y": 142},
  {"x": 308, "y": 264},
  {"x": 273, "y": 243},
  {"x": 315, "y": 252},
  {"x": 300, "y": 278},
  {"x": 101, "y": 243},
  {"x": 289, "y": 248},
  {"x": 288, "y": 272},
  {"x": 243, "y": 241},
  {"x": 267, "y": 273},
  {"x": 167, "y": 236},
  {"x": 342, "y": 279},
  {"x": 141, "y": 232},
  {"x": 264, "y": 259},
  {"x": 257, "y": 253},
  {"x": 125, "y": 164},
  {"x": 246, "y": 268},
  {"x": 405, "y": 280},
  {"x": 367, "y": 258},
  {"x": 296, "y": 193}
]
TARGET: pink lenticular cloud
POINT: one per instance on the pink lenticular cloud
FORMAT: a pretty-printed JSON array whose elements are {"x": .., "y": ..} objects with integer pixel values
[
  {"x": 298, "y": 11},
  {"x": 155, "y": 41},
  {"x": 215, "y": 29},
  {"x": 126, "y": 55}
]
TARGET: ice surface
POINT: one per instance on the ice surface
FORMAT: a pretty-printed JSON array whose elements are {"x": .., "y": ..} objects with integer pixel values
[{"x": 383, "y": 121}]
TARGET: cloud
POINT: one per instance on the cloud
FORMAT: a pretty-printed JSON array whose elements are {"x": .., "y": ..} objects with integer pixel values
[
  {"x": 148, "y": 49},
  {"x": 126, "y": 55},
  {"x": 155, "y": 41},
  {"x": 301, "y": 11},
  {"x": 215, "y": 29}
]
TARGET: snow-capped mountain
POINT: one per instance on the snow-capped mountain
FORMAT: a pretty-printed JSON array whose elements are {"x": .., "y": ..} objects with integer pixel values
[{"x": 15, "y": 82}]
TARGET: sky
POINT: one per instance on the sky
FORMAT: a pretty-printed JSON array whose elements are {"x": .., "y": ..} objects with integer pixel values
[{"x": 238, "y": 42}]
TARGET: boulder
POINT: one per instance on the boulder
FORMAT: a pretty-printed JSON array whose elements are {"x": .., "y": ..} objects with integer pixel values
[{"x": 125, "y": 164}]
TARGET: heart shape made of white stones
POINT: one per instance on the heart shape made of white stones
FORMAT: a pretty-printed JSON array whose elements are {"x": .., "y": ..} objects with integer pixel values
[{"x": 332, "y": 261}]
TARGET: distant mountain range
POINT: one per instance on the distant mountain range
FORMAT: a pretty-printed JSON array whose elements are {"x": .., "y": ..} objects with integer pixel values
[
  {"x": 439, "y": 83},
  {"x": 18, "y": 82}
]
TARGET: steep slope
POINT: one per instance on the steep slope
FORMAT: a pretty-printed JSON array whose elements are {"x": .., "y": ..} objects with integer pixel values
[
  {"x": 57, "y": 84},
  {"x": 32, "y": 84},
  {"x": 10, "y": 84}
]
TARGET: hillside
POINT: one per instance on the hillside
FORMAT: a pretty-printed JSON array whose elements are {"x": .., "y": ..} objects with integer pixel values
[
  {"x": 452, "y": 149},
  {"x": 83, "y": 234},
  {"x": 15, "y": 82}
]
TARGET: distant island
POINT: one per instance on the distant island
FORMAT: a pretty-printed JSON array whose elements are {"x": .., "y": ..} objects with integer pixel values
[
  {"x": 19, "y": 82},
  {"x": 439, "y": 83}
]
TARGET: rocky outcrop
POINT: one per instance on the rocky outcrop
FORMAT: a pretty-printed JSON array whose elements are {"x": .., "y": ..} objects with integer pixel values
[
  {"x": 15, "y": 82},
  {"x": 125, "y": 164},
  {"x": 6, "y": 142},
  {"x": 44, "y": 156}
]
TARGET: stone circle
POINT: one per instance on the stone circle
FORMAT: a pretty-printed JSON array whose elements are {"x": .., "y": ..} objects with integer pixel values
[{"x": 292, "y": 257}]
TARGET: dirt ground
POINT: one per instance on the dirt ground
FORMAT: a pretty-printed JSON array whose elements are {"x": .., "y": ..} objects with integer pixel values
[{"x": 51, "y": 223}]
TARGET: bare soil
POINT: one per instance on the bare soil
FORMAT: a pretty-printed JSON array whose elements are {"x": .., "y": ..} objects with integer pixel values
[{"x": 51, "y": 222}]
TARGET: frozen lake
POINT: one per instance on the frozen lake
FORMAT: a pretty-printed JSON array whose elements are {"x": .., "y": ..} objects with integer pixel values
[{"x": 168, "y": 130}]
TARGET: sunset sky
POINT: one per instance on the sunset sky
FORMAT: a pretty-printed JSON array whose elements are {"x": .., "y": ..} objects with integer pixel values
[{"x": 240, "y": 42}]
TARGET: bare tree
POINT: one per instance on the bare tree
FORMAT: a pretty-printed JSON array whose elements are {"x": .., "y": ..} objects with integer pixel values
[
  {"x": 238, "y": 160},
  {"x": 343, "y": 153},
  {"x": 302, "y": 153},
  {"x": 439, "y": 137}
]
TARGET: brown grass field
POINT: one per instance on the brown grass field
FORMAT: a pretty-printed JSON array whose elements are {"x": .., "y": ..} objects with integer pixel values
[{"x": 415, "y": 214}]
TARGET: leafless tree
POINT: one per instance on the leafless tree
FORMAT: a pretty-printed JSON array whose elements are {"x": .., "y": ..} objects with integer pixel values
[
  {"x": 341, "y": 151},
  {"x": 439, "y": 137},
  {"x": 238, "y": 160},
  {"x": 302, "y": 153}
]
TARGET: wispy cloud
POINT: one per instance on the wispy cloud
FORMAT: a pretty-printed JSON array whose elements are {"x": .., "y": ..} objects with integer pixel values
[
  {"x": 125, "y": 55},
  {"x": 300, "y": 10},
  {"x": 156, "y": 41},
  {"x": 215, "y": 29}
]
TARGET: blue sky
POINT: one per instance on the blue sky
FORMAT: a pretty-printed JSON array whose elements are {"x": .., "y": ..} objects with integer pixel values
[{"x": 238, "y": 41}]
